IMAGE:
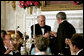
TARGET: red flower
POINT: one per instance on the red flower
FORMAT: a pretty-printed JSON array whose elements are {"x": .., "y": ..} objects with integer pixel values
[
  {"x": 36, "y": 3},
  {"x": 29, "y": 2},
  {"x": 21, "y": 6},
  {"x": 22, "y": 2},
  {"x": 25, "y": 4},
  {"x": 75, "y": 2}
]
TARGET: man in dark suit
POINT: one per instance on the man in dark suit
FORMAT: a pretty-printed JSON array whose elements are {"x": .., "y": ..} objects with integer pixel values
[
  {"x": 65, "y": 30},
  {"x": 40, "y": 28},
  {"x": 2, "y": 48}
]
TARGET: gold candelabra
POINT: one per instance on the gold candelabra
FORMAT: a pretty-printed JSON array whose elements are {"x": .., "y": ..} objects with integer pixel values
[{"x": 13, "y": 4}]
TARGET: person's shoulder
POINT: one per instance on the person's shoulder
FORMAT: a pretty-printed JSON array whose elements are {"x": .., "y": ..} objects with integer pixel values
[
  {"x": 35, "y": 25},
  {"x": 65, "y": 23},
  {"x": 47, "y": 26},
  {"x": 69, "y": 24}
]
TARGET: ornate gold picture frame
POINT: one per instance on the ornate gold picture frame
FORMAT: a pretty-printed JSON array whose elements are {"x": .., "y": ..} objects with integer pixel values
[{"x": 59, "y": 7}]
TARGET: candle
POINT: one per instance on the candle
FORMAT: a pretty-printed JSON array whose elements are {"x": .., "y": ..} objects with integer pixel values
[
  {"x": 25, "y": 23},
  {"x": 34, "y": 14},
  {"x": 34, "y": 27},
  {"x": 15, "y": 20}
]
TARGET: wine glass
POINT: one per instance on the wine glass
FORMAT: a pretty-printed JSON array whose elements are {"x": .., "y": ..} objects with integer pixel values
[{"x": 66, "y": 44}]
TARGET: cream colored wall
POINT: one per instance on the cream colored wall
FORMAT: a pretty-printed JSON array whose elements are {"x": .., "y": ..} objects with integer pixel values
[
  {"x": 11, "y": 17},
  {"x": 3, "y": 15},
  {"x": 8, "y": 16}
]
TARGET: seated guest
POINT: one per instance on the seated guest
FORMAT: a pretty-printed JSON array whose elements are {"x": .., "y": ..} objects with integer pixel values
[
  {"x": 4, "y": 44},
  {"x": 36, "y": 39},
  {"x": 8, "y": 45},
  {"x": 17, "y": 42},
  {"x": 41, "y": 45},
  {"x": 76, "y": 44},
  {"x": 2, "y": 48},
  {"x": 33, "y": 51}
]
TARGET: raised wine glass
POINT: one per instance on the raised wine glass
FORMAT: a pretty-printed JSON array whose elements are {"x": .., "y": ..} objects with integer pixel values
[{"x": 66, "y": 44}]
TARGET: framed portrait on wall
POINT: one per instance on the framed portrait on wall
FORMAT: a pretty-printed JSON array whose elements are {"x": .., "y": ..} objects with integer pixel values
[{"x": 59, "y": 5}]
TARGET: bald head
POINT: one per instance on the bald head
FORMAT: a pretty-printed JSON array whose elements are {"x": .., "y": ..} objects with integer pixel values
[
  {"x": 41, "y": 16},
  {"x": 41, "y": 20}
]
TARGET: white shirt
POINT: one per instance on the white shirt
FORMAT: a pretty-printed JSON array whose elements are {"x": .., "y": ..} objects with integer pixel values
[
  {"x": 42, "y": 29},
  {"x": 5, "y": 47},
  {"x": 79, "y": 51},
  {"x": 63, "y": 20},
  {"x": 11, "y": 53}
]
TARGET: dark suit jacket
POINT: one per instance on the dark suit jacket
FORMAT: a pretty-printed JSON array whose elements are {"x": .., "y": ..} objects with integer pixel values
[
  {"x": 38, "y": 29},
  {"x": 65, "y": 30}
]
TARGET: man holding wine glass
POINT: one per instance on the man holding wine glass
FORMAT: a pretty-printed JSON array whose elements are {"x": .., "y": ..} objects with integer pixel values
[
  {"x": 64, "y": 31},
  {"x": 41, "y": 28},
  {"x": 76, "y": 44}
]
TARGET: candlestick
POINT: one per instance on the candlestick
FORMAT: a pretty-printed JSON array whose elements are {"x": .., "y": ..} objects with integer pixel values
[
  {"x": 15, "y": 25},
  {"x": 25, "y": 23},
  {"x": 34, "y": 27},
  {"x": 35, "y": 14},
  {"x": 24, "y": 36}
]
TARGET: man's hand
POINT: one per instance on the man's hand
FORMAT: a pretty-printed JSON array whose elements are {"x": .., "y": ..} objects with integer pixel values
[
  {"x": 46, "y": 35},
  {"x": 68, "y": 41},
  {"x": 52, "y": 33}
]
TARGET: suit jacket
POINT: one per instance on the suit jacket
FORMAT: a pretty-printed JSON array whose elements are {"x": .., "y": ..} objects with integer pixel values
[
  {"x": 38, "y": 29},
  {"x": 65, "y": 30}
]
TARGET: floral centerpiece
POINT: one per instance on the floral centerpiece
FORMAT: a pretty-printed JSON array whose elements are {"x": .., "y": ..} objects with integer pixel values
[
  {"x": 26, "y": 4},
  {"x": 29, "y": 4}
]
